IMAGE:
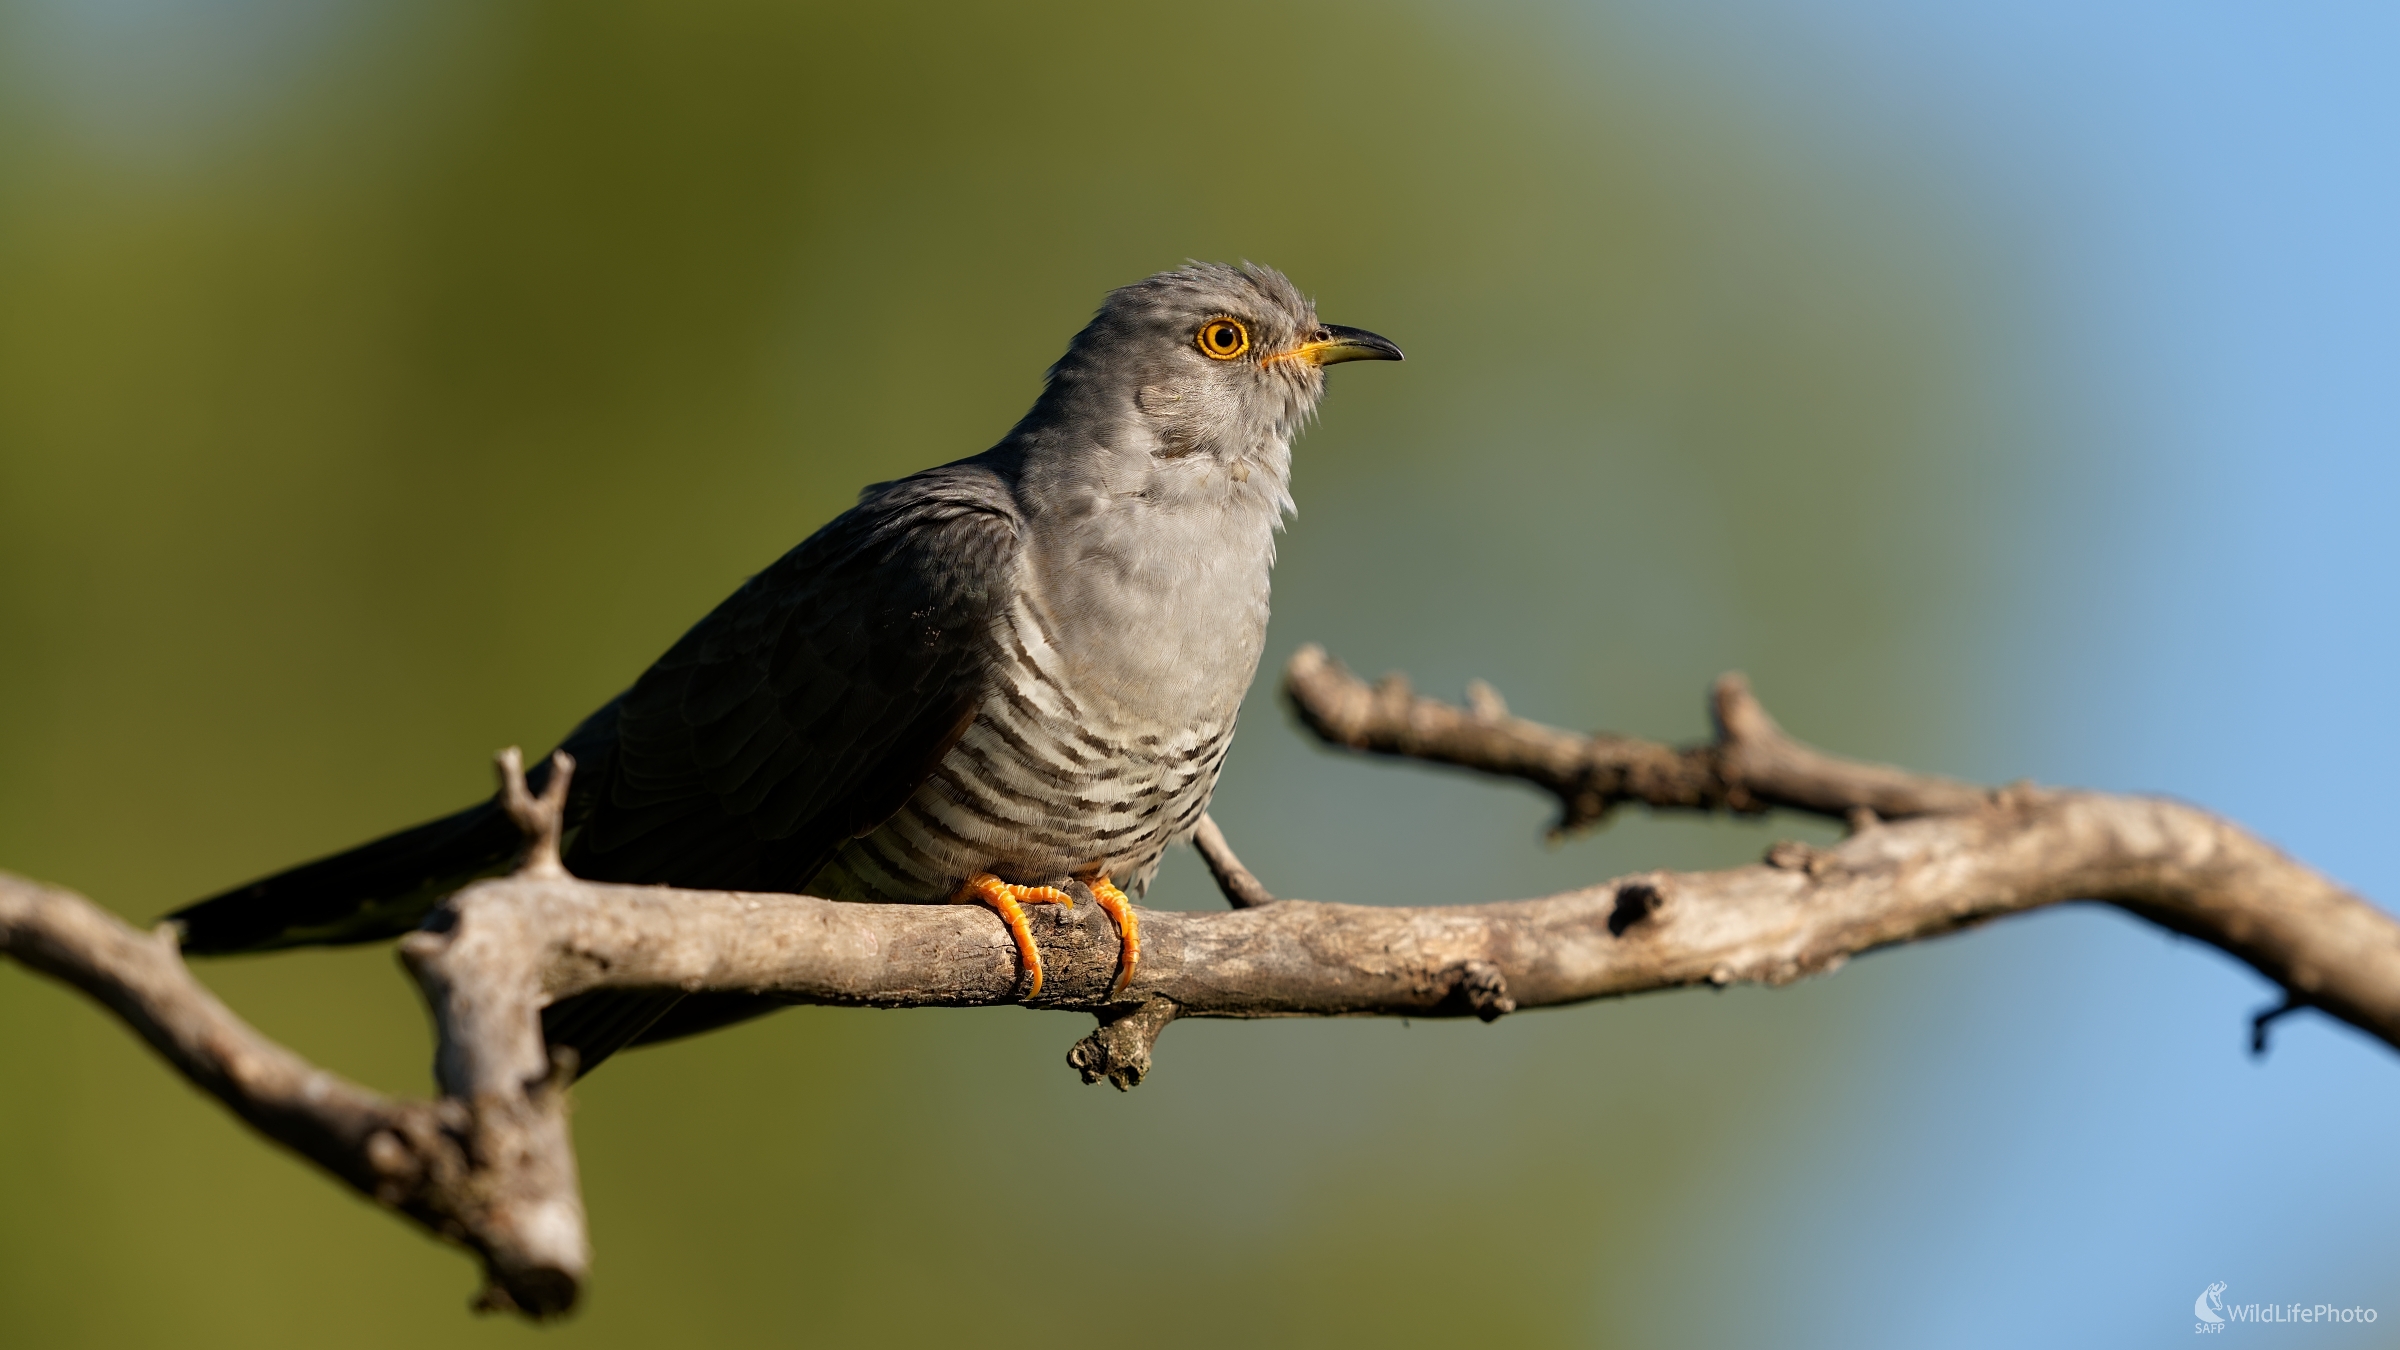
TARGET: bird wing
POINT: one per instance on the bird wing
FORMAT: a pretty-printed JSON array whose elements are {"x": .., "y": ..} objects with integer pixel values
[{"x": 805, "y": 709}]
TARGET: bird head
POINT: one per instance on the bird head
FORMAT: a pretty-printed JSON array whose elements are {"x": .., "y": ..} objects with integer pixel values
[{"x": 1204, "y": 361}]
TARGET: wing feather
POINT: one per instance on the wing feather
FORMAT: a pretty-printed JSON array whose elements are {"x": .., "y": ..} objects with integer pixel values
[{"x": 808, "y": 706}]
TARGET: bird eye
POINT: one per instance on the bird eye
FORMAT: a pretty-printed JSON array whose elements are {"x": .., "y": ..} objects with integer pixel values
[{"x": 1224, "y": 339}]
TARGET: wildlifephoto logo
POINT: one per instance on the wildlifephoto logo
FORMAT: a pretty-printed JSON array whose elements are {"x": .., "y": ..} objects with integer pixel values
[{"x": 2214, "y": 1314}]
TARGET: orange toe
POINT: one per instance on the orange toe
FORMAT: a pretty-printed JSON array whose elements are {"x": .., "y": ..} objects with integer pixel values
[
  {"x": 1129, "y": 927},
  {"x": 1009, "y": 901}
]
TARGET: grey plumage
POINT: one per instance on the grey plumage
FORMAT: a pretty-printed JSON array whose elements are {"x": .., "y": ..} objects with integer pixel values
[{"x": 1026, "y": 663}]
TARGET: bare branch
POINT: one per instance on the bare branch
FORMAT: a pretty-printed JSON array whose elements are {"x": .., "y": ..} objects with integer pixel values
[
  {"x": 1808, "y": 910},
  {"x": 1242, "y": 890},
  {"x": 491, "y": 1166},
  {"x": 1751, "y": 766},
  {"x": 141, "y": 978},
  {"x": 2175, "y": 865},
  {"x": 426, "y": 1160}
]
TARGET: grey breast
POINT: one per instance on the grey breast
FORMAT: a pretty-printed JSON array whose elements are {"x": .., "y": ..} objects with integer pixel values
[{"x": 1043, "y": 785}]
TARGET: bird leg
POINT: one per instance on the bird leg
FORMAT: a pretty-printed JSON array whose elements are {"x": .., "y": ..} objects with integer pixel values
[
  {"x": 1129, "y": 928},
  {"x": 1008, "y": 901}
]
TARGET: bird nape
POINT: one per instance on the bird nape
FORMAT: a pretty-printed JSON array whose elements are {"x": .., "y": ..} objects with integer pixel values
[{"x": 986, "y": 683}]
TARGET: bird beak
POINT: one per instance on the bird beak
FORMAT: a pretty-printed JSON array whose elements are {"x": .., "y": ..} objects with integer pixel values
[{"x": 1332, "y": 344}]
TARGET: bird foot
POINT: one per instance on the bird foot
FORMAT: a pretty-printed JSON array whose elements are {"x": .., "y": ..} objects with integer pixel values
[{"x": 1008, "y": 900}]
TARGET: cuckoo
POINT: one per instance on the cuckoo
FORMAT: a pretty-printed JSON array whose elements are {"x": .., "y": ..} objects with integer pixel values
[{"x": 984, "y": 683}]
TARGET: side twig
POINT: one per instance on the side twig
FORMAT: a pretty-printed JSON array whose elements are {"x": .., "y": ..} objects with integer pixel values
[
  {"x": 1751, "y": 765},
  {"x": 1242, "y": 890}
]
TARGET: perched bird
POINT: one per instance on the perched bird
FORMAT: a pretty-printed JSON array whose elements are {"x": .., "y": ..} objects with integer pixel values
[{"x": 981, "y": 683}]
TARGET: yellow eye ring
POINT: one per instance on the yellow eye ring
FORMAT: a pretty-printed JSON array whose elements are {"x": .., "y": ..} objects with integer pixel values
[{"x": 1222, "y": 339}]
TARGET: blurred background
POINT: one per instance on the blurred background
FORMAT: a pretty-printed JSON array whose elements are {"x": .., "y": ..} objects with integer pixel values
[{"x": 2007, "y": 388}]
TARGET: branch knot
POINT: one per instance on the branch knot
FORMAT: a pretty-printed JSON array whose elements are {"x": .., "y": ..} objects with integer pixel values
[
  {"x": 1485, "y": 990},
  {"x": 1637, "y": 900},
  {"x": 1119, "y": 1048}
]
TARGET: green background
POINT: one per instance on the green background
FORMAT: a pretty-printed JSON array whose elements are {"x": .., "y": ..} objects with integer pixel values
[{"x": 382, "y": 384}]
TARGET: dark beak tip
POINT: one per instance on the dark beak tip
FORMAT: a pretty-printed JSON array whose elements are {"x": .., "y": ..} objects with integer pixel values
[{"x": 1362, "y": 345}]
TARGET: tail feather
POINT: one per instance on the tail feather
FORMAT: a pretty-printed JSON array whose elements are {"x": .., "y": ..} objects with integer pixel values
[
  {"x": 600, "y": 1023},
  {"x": 375, "y": 891},
  {"x": 604, "y": 1021},
  {"x": 385, "y": 888}
]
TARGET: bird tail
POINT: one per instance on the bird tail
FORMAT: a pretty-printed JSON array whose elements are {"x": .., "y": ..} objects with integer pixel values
[
  {"x": 385, "y": 888},
  {"x": 377, "y": 890}
]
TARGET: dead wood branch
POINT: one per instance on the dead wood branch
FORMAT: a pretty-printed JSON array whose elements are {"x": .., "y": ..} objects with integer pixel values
[
  {"x": 1750, "y": 767},
  {"x": 491, "y": 1165},
  {"x": 456, "y": 1166},
  {"x": 2018, "y": 847},
  {"x": 1242, "y": 890}
]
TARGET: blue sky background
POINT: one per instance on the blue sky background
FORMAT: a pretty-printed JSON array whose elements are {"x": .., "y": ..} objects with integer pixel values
[{"x": 2074, "y": 1140}]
